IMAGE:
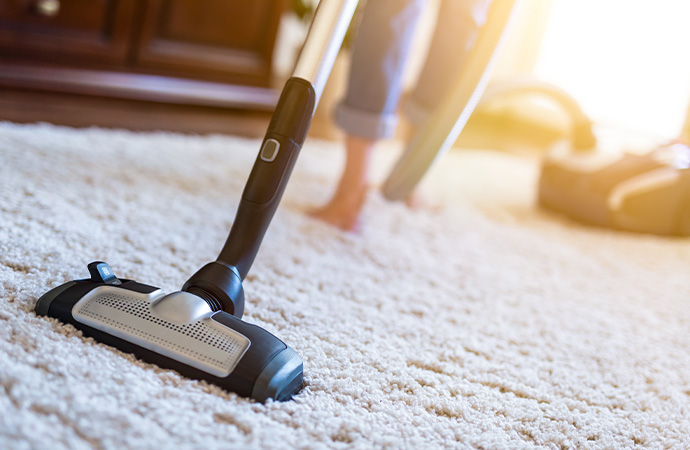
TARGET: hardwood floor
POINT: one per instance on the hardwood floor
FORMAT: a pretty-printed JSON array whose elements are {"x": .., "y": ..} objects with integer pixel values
[{"x": 83, "y": 111}]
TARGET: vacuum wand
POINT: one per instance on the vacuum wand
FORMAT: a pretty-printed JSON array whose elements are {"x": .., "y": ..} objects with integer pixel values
[
  {"x": 286, "y": 133},
  {"x": 270, "y": 174},
  {"x": 219, "y": 282}
]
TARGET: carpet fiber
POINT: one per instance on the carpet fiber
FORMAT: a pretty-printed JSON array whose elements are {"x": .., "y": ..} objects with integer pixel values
[{"x": 484, "y": 323}]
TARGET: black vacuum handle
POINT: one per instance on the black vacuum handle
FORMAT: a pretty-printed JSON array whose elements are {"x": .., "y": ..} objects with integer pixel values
[
  {"x": 274, "y": 163},
  {"x": 220, "y": 282}
]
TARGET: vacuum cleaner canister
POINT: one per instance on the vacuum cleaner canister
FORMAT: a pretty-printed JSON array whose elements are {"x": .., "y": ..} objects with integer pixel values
[{"x": 641, "y": 193}]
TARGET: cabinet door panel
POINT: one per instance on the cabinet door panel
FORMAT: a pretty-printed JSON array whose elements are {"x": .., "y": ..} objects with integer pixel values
[
  {"x": 76, "y": 30},
  {"x": 227, "y": 40}
]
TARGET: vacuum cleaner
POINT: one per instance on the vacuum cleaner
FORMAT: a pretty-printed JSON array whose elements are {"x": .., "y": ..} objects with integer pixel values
[
  {"x": 598, "y": 184},
  {"x": 647, "y": 193},
  {"x": 199, "y": 331}
]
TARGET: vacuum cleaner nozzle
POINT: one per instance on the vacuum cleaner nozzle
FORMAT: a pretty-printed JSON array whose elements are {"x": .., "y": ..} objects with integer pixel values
[{"x": 178, "y": 331}]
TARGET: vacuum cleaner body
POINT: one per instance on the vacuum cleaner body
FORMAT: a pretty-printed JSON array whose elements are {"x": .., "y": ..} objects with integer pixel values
[
  {"x": 595, "y": 183},
  {"x": 641, "y": 193}
]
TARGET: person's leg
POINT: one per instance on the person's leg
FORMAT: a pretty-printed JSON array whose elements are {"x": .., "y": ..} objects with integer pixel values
[
  {"x": 344, "y": 207},
  {"x": 368, "y": 111},
  {"x": 455, "y": 33},
  {"x": 457, "y": 27}
]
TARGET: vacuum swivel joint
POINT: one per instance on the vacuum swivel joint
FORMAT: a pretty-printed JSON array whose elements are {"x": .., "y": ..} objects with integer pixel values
[{"x": 220, "y": 285}]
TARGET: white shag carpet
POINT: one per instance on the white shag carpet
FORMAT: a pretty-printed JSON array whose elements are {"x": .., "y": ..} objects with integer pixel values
[{"x": 487, "y": 324}]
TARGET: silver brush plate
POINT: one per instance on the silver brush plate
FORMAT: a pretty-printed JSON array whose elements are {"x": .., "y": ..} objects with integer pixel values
[{"x": 177, "y": 325}]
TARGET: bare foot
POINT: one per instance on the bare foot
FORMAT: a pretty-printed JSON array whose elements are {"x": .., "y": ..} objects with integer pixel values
[
  {"x": 343, "y": 210},
  {"x": 417, "y": 201}
]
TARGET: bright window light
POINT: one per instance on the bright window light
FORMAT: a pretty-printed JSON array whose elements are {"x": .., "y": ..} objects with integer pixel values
[{"x": 625, "y": 61}]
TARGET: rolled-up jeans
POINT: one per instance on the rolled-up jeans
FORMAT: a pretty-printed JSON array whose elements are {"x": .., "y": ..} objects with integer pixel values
[{"x": 381, "y": 49}]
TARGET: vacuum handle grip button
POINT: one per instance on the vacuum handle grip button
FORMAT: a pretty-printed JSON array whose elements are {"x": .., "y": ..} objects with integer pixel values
[
  {"x": 269, "y": 152},
  {"x": 102, "y": 273}
]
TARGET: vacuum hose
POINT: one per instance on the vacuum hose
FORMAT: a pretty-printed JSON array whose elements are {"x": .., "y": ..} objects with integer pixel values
[{"x": 582, "y": 137}]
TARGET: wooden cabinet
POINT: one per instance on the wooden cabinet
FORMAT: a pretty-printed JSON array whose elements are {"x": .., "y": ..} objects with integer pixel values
[
  {"x": 204, "y": 52},
  {"x": 71, "y": 31},
  {"x": 213, "y": 39}
]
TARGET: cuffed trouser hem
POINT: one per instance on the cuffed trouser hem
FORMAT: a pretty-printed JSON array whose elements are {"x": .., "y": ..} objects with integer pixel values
[{"x": 372, "y": 125}]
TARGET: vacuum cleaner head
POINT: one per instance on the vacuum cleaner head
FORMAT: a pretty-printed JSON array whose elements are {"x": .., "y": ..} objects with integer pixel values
[{"x": 178, "y": 331}]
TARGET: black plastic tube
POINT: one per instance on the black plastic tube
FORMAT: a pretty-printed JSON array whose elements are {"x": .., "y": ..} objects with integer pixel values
[{"x": 274, "y": 163}]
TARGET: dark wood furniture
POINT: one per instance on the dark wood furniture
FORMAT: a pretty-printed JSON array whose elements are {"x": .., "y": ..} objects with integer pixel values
[{"x": 207, "y": 53}]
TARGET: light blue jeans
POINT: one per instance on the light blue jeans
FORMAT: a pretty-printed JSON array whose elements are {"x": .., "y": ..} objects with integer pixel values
[{"x": 381, "y": 49}]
